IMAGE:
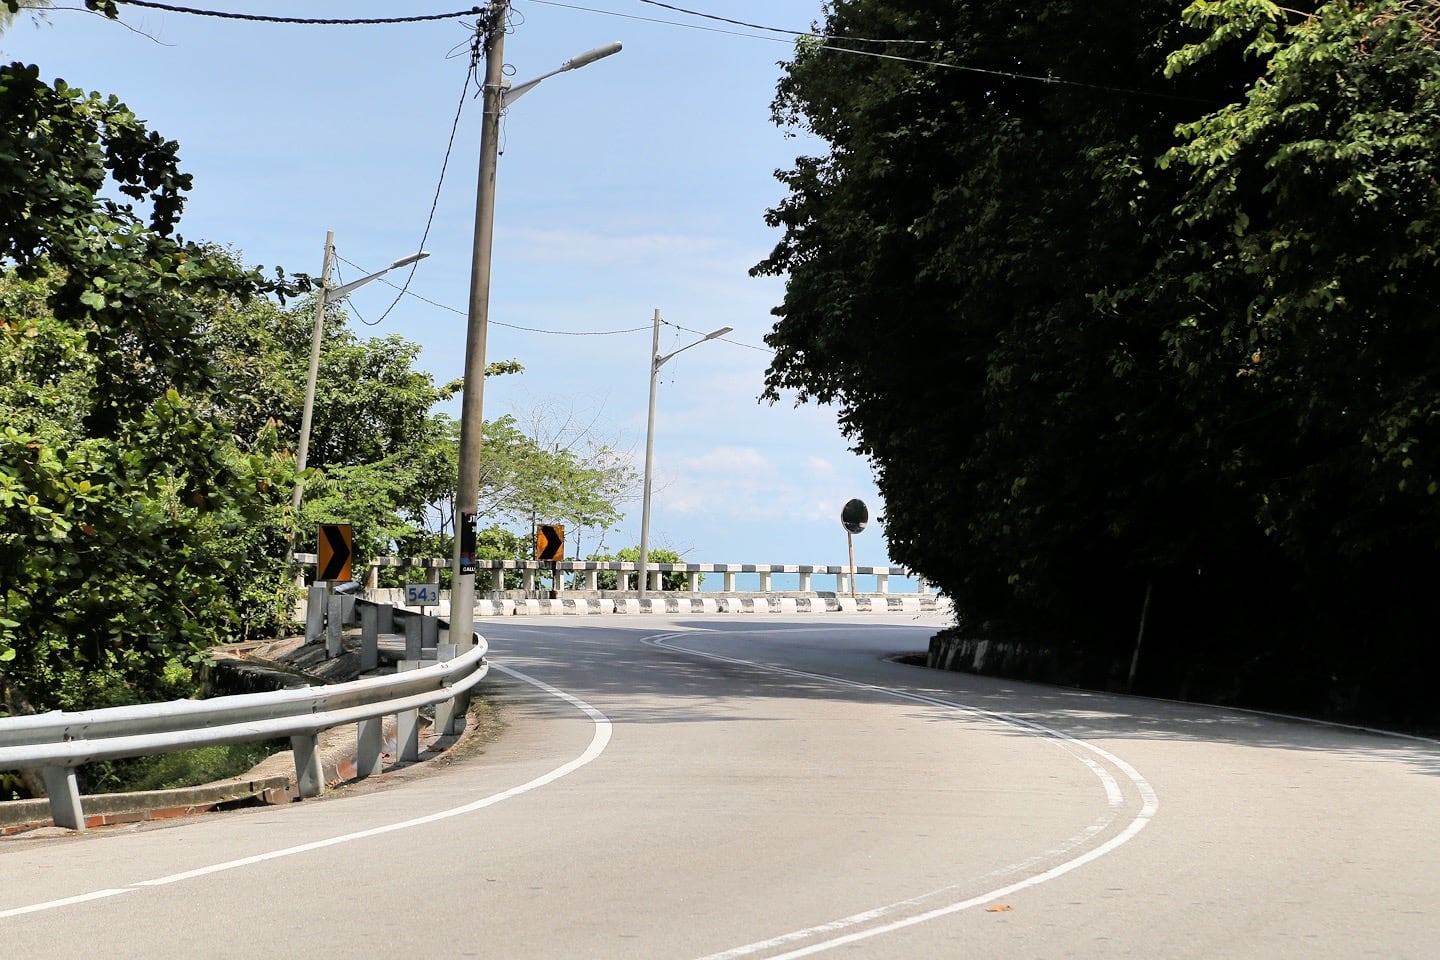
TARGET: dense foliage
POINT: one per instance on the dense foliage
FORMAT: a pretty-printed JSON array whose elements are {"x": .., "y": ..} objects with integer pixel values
[
  {"x": 1123, "y": 300},
  {"x": 113, "y": 478}
]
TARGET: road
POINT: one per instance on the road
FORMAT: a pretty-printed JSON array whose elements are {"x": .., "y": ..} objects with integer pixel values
[{"x": 768, "y": 786}]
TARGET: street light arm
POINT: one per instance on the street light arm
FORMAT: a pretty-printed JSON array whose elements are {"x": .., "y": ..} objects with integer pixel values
[
  {"x": 660, "y": 361},
  {"x": 510, "y": 94},
  {"x": 339, "y": 293}
]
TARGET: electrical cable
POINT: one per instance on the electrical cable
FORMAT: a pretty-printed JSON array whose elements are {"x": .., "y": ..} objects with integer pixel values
[
  {"x": 470, "y": 73},
  {"x": 496, "y": 323},
  {"x": 1004, "y": 74},
  {"x": 701, "y": 333},
  {"x": 304, "y": 21},
  {"x": 757, "y": 26}
]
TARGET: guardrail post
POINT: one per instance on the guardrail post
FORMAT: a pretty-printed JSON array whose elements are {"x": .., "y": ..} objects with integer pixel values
[
  {"x": 314, "y": 612},
  {"x": 334, "y": 625},
  {"x": 386, "y": 621},
  {"x": 527, "y": 581},
  {"x": 372, "y": 576},
  {"x": 64, "y": 794},
  {"x": 592, "y": 580},
  {"x": 840, "y": 582},
  {"x": 692, "y": 581},
  {"x": 449, "y": 714},
  {"x": 429, "y": 633},
  {"x": 805, "y": 581},
  {"x": 413, "y": 639},
  {"x": 369, "y": 737},
  {"x": 407, "y": 722},
  {"x": 369, "y": 637},
  {"x": 729, "y": 581},
  {"x": 309, "y": 773},
  {"x": 764, "y": 581},
  {"x": 882, "y": 583}
]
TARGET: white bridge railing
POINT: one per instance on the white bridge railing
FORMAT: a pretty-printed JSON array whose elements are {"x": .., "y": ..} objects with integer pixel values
[
  {"x": 585, "y": 575},
  {"x": 57, "y": 742}
]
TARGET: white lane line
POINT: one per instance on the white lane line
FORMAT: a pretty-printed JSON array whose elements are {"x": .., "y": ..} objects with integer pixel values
[
  {"x": 68, "y": 901},
  {"x": 1150, "y": 803},
  {"x": 598, "y": 742}
]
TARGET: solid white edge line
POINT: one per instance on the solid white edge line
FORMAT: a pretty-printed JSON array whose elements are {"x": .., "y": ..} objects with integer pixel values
[
  {"x": 1150, "y": 803},
  {"x": 68, "y": 901},
  {"x": 598, "y": 743}
]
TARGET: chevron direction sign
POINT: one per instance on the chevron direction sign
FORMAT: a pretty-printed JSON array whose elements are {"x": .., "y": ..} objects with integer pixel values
[
  {"x": 335, "y": 552},
  {"x": 550, "y": 542}
]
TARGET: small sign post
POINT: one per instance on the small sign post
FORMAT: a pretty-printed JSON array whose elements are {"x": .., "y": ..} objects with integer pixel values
[
  {"x": 550, "y": 545},
  {"x": 853, "y": 517}
]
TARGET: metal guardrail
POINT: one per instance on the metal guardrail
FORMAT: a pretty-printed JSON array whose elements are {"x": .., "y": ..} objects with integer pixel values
[{"x": 57, "y": 742}]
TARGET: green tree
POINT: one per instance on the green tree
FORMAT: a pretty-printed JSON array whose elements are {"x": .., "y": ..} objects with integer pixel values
[
  {"x": 673, "y": 581},
  {"x": 112, "y": 475},
  {"x": 1106, "y": 319}
]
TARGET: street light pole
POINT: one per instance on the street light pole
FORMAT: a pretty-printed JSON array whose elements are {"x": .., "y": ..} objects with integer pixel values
[
  {"x": 472, "y": 422},
  {"x": 327, "y": 297},
  {"x": 656, "y": 361}
]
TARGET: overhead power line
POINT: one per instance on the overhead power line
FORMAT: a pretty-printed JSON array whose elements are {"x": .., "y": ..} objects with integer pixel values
[
  {"x": 758, "y": 26},
  {"x": 308, "y": 21}
]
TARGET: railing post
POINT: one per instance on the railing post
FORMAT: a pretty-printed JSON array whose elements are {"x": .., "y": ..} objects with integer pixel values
[
  {"x": 449, "y": 714},
  {"x": 369, "y": 637},
  {"x": 309, "y": 773},
  {"x": 882, "y": 583},
  {"x": 372, "y": 576},
  {"x": 592, "y": 580},
  {"x": 764, "y": 581},
  {"x": 334, "y": 625},
  {"x": 692, "y": 580},
  {"x": 729, "y": 581},
  {"x": 314, "y": 612},
  {"x": 805, "y": 581},
  {"x": 369, "y": 737},
  {"x": 527, "y": 580},
  {"x": 64, "y": 793},
  {"x": 413, "y": 638},
  {"x": 407, "y": 722}
]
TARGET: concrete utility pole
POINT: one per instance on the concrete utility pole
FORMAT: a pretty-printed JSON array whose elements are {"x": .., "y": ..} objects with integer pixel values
[
  {"x": 656, "y": 362},
  {"x": 472, "y": 420},
  {"x": 307, "y": 413},
  {"x": 644, "y": 572}
]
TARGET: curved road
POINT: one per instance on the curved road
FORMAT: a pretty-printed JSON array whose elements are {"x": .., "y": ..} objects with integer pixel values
[{"x": 766, "y": 787}]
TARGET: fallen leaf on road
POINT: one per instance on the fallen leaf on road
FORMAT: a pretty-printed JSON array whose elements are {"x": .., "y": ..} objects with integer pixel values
[{"x": 999, "y": 908}]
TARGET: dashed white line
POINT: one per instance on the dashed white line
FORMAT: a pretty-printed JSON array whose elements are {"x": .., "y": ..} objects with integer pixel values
[{"x": 1150, "y": 803}]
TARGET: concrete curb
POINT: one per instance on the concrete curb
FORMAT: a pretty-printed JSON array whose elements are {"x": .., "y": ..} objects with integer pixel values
[
  {"x": 105, "y": 809},
  {"x": 264, "y": 783}
]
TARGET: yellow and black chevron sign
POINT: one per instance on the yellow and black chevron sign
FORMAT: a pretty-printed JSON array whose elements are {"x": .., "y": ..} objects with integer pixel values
[
  {"x": 550, "y": 542},
  {"x": 335, "y": 552}
]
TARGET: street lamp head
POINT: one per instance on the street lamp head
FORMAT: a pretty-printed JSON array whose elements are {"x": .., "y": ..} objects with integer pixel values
[
  {"x": 590, "y": 56},
  {"x": 406, "y": 261},
  {"x": 719, "y": 333}
]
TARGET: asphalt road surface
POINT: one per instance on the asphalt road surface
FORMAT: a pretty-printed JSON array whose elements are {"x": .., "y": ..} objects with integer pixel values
[{"x": 767, "y": 786}]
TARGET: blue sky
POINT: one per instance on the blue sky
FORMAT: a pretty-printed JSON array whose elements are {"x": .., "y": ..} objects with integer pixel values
[{"x": 636, "y": 183}]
